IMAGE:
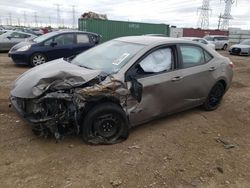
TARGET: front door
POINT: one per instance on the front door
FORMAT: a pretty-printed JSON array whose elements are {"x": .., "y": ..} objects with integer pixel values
[
  {"x": 60, "y": 46},
  {"x": 158, "y": 75}
]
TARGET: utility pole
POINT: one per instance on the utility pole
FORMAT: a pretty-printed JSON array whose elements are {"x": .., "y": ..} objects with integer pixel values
[
  {"x": 7, "y": 21},
  {"x": 219, "y": 21},
  {"x": 73, "y": 16},
  {"x": 227, "y": 14},
  {"x": 35, "y": 17},
  {"x": 49, "y": 21},
  {"x": 0, "y": 20},
  {"x": 203, "y": 21},
  {"x": 58, "y": 14},
  {"x": 24, "y": 18},
  {"x": 10, "y": 18},
  {"x": 18, "y": 22}
]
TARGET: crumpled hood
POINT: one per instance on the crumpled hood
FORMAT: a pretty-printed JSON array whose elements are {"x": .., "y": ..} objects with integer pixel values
[
  {"x": 58, "y": 73},
  {"x": 240, "y": 46}
]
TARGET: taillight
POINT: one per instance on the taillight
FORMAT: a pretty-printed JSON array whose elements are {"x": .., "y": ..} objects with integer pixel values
[{"x": 231, "y": 65}]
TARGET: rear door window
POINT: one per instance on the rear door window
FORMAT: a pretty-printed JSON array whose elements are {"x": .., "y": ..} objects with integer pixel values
[
  {"x": 82, "y": 39},
  {"x": 19, "y": 35},
  {"x": 192, "y": 56},
  {"x": 65, "y": 39}
]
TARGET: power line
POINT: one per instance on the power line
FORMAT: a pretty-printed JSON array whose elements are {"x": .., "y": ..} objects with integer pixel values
[
  {"x": 227, "y": 14},
  {"x": 35, "y": 16},
  {"x": 58, "y": 14},
  {"x": 73, "y": 16},
  {"x": 10, "y": 18},
  {"x": 24, "y": 18},
  {"x": 203, "y": 21}
]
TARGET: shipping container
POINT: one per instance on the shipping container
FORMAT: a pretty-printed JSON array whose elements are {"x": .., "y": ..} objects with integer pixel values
[
  {"x": 110, "y": 29},
  {"x": 191, "y": 32}
]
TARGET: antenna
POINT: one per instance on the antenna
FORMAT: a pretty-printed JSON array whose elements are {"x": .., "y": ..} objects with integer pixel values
[
  {"x": 227, "y": 14},
  {"x": 203, "y": 21}
]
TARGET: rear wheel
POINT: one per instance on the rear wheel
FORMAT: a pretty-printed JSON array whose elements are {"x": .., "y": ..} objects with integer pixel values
[
  {"x": 105, "y": 124},
  {"x": 37, "y": 59},
  {"x": 224, "y": 47},
  {"x": 215, "y": 96}
]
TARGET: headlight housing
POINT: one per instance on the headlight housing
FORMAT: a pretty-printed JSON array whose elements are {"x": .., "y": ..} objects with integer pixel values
[{"x": 24, "y": 48}]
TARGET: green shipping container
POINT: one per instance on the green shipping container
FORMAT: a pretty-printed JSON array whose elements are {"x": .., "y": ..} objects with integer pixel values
[{"x": 110, "y": 29}]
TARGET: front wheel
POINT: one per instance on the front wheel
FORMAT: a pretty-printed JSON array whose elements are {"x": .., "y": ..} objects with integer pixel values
[
  {"x": 37, "y": 59},
  {"x": 215, "y": 96},
  {"x": 105, "y": 124}
]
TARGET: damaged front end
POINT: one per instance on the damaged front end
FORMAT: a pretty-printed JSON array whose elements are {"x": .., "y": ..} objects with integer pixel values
[
  {"x": 53, "y": 113},
  {"x": 59, "y": 111}
]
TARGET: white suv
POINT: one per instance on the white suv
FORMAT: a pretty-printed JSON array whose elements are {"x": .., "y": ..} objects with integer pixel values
[{"x": 220, "y": 41}]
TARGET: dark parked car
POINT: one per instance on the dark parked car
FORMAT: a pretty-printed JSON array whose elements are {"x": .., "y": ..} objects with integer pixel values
[
  {"x": 52, "y": 46},
  {"x": 103, "y": 92}
]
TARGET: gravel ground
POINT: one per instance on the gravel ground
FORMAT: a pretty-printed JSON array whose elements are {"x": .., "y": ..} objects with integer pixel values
[{"x": 181, "y": 150}]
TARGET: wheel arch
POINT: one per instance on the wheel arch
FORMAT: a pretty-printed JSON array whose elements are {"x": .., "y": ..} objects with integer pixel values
[
  {"x": 91, "y": 104},
  {"x": 37, "y": 52}
]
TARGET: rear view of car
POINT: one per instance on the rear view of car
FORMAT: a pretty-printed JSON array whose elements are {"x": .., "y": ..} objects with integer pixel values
[{"x": 221, "y": 42}]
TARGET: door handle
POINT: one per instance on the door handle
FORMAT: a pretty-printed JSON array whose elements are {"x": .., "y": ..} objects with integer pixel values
[
  {"x": 177, "y": 78},
  {"x": 212, "y": 69}
]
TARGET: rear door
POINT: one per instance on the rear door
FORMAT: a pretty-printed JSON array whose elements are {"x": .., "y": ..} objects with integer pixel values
[
  {"x": 197, "y": 70},
  {"x": 60, "y": 46},
  {"x": 83, "y": 42}
]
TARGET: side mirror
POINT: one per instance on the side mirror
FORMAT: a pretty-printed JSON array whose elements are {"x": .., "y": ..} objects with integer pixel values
[
  {"x": 136, "y": 89},
  {"x": 53, "y": 44}
]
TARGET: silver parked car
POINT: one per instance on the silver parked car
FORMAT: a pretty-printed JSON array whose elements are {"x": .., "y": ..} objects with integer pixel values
[
  {"x": 221, "y": 42},
  {"x": 200, "y": 40},
  {"x": 103, "y": 92},
  {"x": 11, "y": 38},
  {"x": 241, "y": 49}
]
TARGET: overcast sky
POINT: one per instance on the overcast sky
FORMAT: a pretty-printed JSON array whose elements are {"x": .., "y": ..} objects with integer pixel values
[{"x": 182, "y": 13}]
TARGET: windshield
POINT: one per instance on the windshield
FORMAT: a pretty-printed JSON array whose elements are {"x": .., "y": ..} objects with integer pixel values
[
  {"x": 44, "y": 37},
  {"x": 209, "y": 38},
  {"x": 245, "y": 42},
  {"x": 109, "y": 57}
]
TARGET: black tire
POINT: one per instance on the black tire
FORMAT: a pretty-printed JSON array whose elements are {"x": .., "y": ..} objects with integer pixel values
[
  {"x": 215, "y": 96},
  {"x": 37, "y": 59},
  {"x": 224, "y": 47},
  {"x": 105, "y": 124}
]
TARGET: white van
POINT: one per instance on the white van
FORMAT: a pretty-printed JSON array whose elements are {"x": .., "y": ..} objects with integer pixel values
[{"x": 220, "y": 41}]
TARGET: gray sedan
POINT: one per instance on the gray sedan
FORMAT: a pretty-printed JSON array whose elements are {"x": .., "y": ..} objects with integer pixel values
[
  {"x": 11, "y": 38},
  {"x": 241, "y": 49},
  {"x": 103, "y": 92}
]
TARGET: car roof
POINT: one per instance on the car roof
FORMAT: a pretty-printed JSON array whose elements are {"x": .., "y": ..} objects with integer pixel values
[
  {"x": 148, "y": 40},
  {"x": 191, "y": 38},
  {"x": 12, "y": 31},
  {"x": 215, "y": 36},
  {"x": 74, "y": 31}
]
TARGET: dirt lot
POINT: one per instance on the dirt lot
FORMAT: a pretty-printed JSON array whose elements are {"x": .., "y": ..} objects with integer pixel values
[{"x": 177, "y": 151}]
